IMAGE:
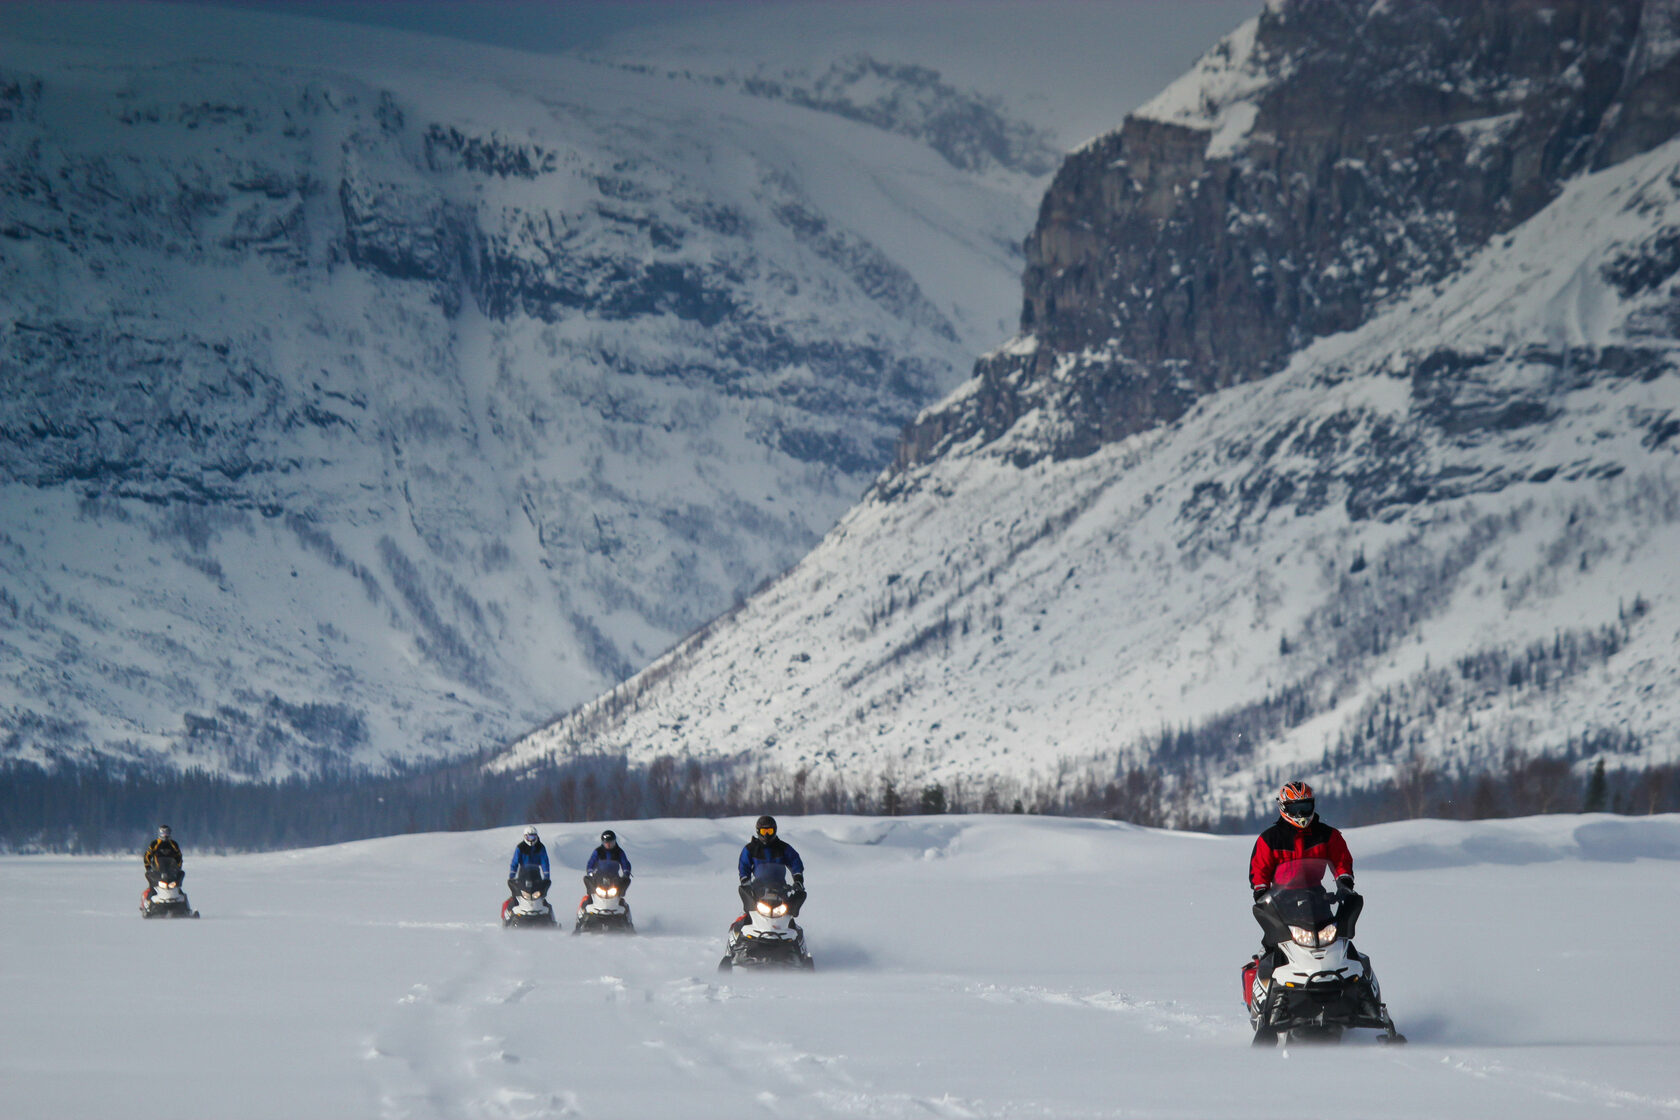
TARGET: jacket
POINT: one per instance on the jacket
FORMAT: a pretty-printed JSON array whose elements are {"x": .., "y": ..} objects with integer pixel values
[
  {"x": 1283, "y": 842},
  {"x": 759, "y": 851},
  {"x": 600, "y": 853},
  {"x": 162, "y": 848},
  {"x": 524, "y": 854}
]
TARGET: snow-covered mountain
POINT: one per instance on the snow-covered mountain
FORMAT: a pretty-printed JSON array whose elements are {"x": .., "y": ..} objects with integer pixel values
[
  {"x": 371, "y": 395},
  {"x": 1338, "y": 439}
]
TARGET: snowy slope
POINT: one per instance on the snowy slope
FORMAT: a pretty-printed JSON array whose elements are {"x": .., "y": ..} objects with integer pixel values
[
  {"x": 373, "y": 395},
  {"x": 967, "y": 967},
  {"x": 1487, "y": 466}
]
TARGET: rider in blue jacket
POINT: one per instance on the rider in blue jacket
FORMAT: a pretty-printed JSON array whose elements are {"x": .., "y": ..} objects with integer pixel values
[
  {"x": 530, "y": 851},
  {"x": 609, "y": 850},
  {"x": 767, "y": 847}
]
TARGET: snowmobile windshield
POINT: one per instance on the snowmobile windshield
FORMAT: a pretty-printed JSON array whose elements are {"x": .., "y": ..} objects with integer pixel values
[
  {"x": 1300, "y": 874},
  {"x": 770, "y": 877},
  {"x": 609, "y": 869},
  {"x": 529, "y": 877},
  {"x": 168, "y": 866},
  {"x": 1308, "y": 908}
]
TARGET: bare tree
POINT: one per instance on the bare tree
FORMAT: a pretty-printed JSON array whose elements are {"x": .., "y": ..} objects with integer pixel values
[{"x": 1413, "y": 779}]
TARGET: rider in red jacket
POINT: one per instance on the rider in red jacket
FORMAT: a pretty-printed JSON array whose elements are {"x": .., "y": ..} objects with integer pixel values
[
  {"x": 1297, "y": 835},
  {"x": 1286, "y": 848}
]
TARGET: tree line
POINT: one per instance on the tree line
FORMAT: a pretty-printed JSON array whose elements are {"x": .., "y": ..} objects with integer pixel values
[{"x": 117, "y": 808}]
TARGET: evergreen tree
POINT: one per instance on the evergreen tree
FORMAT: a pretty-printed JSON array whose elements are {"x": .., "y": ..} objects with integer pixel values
[
  {"x": 1597, "y": 790},
  {"x": 891, "y": 803}
]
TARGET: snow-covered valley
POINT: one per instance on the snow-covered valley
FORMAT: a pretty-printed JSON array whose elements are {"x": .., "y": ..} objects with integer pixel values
[{"x": 966, "y": 967}]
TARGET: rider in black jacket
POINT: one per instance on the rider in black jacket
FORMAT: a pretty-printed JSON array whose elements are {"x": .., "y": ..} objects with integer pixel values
[{"x": 163, "y": 847}]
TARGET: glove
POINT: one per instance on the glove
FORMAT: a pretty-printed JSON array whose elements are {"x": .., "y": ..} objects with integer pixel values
[
  {"x": 799, "y": 881},
  {"x": 1259, "y": 893},
  {"x": 745, "y": 880},
  {"x": 1344, "y": 883}
]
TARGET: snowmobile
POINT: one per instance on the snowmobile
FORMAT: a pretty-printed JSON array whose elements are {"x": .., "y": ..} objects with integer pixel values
[
  {"x": 603, "y": 909},
  {"x": 1313, "y": 984},
  {"x": 529, "y": 905},
  {"x": 767, "y": 936},
  {"x": 164, "y": 898}
]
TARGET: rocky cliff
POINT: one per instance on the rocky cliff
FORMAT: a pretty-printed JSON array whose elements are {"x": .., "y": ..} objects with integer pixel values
[{"x": 1324, "y": 159}]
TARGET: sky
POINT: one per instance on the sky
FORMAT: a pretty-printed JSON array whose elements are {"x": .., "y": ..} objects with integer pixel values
[
  {"x": 1109, "y": 57},
  {"x": 548, "y": 27},
  {"x": 1177, "y": 25}
]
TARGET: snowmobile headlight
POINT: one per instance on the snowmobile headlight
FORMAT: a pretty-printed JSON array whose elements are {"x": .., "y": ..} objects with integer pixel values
[
  {"x": 764, "y": 908},
  {"x": 1313, "y": 939},
  {"x": 779, "y": 911},
  {"x": 612, "y": 892}
]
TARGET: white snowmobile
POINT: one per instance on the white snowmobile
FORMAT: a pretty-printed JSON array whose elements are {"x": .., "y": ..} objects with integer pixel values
[
  {"x": 1312, "y": 984},
  {"x": 165, "y": 898},
  {"x": 529, "y": 904},
  {"x": 767, "y": 935},
  {"x": 603, "y": 909}
]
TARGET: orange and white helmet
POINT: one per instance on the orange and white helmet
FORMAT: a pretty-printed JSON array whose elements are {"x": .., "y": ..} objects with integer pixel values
[{"x": 1295, "y": 804}]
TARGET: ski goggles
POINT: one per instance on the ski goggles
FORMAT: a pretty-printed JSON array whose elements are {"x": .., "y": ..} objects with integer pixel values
[
  {"x": 767, "y": 832},
  {"x": 1301, "y": 808}
]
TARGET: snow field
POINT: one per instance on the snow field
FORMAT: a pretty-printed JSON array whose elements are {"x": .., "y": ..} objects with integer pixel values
[{"x": 967, "y": 966}]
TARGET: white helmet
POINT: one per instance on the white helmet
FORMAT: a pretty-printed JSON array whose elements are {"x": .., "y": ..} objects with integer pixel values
[{"x": 530, "y": 834}]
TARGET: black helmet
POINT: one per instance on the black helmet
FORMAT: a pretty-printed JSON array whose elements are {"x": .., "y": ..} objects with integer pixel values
[
  {"x": 609, "y": 837},
  {"x": 163, "y": 832},
  {"x": 766, "y": 827}
]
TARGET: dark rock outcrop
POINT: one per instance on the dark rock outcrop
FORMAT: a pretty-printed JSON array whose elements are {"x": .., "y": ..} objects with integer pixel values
[{"x": 1388, "y": 141}]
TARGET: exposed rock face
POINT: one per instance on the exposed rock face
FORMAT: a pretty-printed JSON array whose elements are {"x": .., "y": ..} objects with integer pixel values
[{"x": 1322, "y": 160}]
